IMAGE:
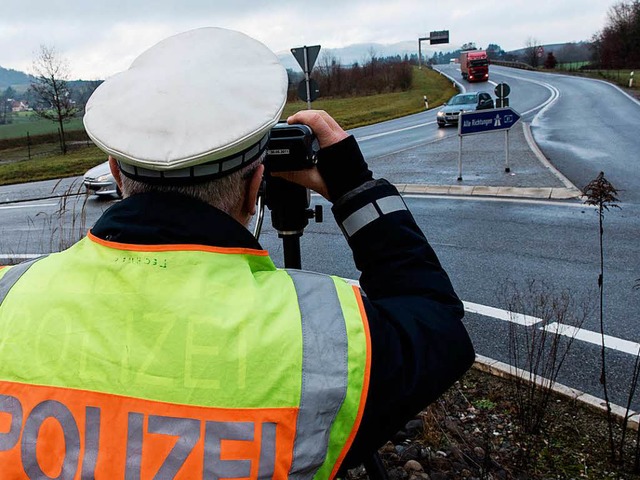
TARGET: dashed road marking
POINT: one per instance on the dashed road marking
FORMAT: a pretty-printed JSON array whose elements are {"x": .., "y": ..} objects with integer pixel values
[{"x": 584, "y": 335}]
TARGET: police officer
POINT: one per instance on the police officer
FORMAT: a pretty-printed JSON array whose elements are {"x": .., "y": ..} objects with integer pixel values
[{"x": 166, "y": 344}]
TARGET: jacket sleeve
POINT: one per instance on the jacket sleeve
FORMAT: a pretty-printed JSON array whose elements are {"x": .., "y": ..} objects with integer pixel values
[{"x": 419, "y": 345}]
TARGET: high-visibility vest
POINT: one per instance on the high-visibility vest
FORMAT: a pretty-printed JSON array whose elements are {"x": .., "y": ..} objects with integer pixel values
[{"x": 177, "y": 361}]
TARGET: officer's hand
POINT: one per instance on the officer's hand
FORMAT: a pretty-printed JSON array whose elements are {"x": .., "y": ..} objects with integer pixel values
[
  {"x": 328, "y": 132},
  {"x": 325, "y": 128}
]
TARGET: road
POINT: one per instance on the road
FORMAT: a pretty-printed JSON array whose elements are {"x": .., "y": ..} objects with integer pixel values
[{"x": 482, "y": 242}]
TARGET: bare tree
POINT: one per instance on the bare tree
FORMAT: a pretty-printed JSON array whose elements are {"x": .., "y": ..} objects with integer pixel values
[
  {"x": 51, "y": 90},
  {"x": 5, "y": 105},
  {"x": 531, "y": 52},
  {"x": 617, "y": 44}
]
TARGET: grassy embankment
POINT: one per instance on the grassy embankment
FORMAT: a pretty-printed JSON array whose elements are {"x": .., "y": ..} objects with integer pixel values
[
  {"x": 618, "y": 77},
  {"x": 349, "y": 112}
]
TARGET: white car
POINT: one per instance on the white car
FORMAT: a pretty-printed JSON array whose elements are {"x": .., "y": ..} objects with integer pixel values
[{"x": 100, "y": 181}]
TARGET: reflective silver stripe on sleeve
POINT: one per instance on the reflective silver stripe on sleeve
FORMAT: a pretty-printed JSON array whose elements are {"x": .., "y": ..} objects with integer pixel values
[
  {"x": 391, "y": 204},
  {"x": 360, "y": 218},
  {"x": 371, "y": 212},
  {"x": 324, "y": 370},
  {"x": 13, "y": 275}
]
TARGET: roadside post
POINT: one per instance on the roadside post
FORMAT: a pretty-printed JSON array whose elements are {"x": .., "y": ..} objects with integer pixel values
[
  {"x": 306, "y": 56},
  {"x": 502, "y": 91},
  {"x": 631, "y": 80},
  {"x": 426, "y": 103},
  {"x": 485, "y": 121}
]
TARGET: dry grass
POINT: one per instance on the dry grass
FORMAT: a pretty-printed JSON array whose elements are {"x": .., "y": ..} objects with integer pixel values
[{"x": 472, "y": 433}]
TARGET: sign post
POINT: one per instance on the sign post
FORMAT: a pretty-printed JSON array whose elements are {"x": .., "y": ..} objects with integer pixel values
[
  {"x": 485, "y": 121},
  {"x": 439, "y": 36},
  {"x": 306, "y": 57}
]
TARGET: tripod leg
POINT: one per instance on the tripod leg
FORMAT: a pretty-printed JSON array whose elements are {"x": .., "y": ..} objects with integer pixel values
[
  {"x": 291, "y": 247},
  {"x": 375, "y": 468}
]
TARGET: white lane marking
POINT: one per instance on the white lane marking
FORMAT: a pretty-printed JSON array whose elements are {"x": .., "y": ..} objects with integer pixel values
[
  {"x": 37, "y": 205},
  {"x": 587, "y": 336},
  {"x": 498, "y": 313},
  {"x": 528, "y": 135},
  {"x": 555, "y": 94},
  {"x": 546, "y": 105},
  {"x": 595, "y": 338},
  {"x": 390, "y": 132}
]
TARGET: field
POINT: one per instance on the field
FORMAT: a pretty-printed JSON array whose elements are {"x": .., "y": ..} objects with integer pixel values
[
  {"x": 16, "y": 166},
  {"x": 28, "y": 122}
]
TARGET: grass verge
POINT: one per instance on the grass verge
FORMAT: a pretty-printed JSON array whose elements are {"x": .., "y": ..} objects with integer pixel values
[
  {"x": 74, "y": 163},
  {"x": 359, "y": 111}
]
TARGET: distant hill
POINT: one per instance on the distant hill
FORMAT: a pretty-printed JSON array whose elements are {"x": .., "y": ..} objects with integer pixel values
[
  {"x": 564, "y": 52},
  {"x": 360, "y": 53},
  {"x": 13, "y": 78}
]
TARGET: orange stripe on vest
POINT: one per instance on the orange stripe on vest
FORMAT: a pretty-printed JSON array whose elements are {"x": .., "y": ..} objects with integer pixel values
[{"x": 68, "y": 433}]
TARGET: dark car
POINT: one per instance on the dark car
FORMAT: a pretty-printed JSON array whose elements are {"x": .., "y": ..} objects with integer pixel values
[
  {"x": 100, "y": 181},
  {"x": 463, "y": 102}
]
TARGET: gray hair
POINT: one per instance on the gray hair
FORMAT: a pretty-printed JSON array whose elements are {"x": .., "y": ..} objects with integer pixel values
[{"x": 225, "y": 193}]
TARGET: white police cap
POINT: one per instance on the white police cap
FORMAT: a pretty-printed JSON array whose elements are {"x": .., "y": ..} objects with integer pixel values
[{"x": 196, "y": 105}]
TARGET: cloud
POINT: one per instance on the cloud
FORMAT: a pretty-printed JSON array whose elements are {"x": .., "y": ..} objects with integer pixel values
[{"x": 100, "y": 37}]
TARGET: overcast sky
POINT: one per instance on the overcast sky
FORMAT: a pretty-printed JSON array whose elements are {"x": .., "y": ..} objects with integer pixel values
[{"x": 99, "y": 37}]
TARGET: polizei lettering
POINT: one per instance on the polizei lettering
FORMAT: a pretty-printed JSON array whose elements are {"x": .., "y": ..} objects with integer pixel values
[{"x": 52, "y": 441}]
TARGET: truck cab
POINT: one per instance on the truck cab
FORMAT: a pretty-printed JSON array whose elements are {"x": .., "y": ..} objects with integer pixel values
[{"x": 474, "y": 65}]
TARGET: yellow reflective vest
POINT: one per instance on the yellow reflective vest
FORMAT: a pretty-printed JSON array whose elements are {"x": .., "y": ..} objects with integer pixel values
[{"x": 177, "y": 361}]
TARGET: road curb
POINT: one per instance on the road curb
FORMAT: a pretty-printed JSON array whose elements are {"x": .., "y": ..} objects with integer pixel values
[
  {"x": 541, "y": 193},
  {"x": 568, "y": 192},
  {"x": 504, "y": 370}
]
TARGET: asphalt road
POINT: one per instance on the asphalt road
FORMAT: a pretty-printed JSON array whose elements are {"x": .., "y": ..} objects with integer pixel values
[{"x": 482, "y": 241}]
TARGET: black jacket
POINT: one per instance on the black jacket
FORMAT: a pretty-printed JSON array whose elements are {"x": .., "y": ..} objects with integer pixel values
[{"x": 418, "y": 342}]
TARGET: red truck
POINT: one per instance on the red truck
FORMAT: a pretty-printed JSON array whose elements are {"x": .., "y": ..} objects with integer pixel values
[{"x": 474, "y": 65}]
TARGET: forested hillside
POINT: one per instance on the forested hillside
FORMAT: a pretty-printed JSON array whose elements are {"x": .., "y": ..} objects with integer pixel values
[{"x": 10, "y": 77}]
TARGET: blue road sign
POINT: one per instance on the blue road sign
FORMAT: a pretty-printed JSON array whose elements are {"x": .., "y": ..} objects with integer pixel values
[{"x": 483, "y": 121}]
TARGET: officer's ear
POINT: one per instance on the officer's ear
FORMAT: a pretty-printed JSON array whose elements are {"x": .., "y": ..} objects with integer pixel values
[
  {"x": 253, "y": 187},
  {"x": 115, "y": 171}
]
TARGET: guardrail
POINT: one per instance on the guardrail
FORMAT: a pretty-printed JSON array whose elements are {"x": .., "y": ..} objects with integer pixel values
[{"x": 516, "y": 64}]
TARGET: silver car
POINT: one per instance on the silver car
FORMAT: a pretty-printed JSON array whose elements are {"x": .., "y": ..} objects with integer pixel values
[
  {"x": 100, "y": 181},
  {"x": 463, "y": 102}
]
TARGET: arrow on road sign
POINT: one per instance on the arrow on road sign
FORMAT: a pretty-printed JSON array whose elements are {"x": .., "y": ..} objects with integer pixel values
[{"x": 487, "y": 121}]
